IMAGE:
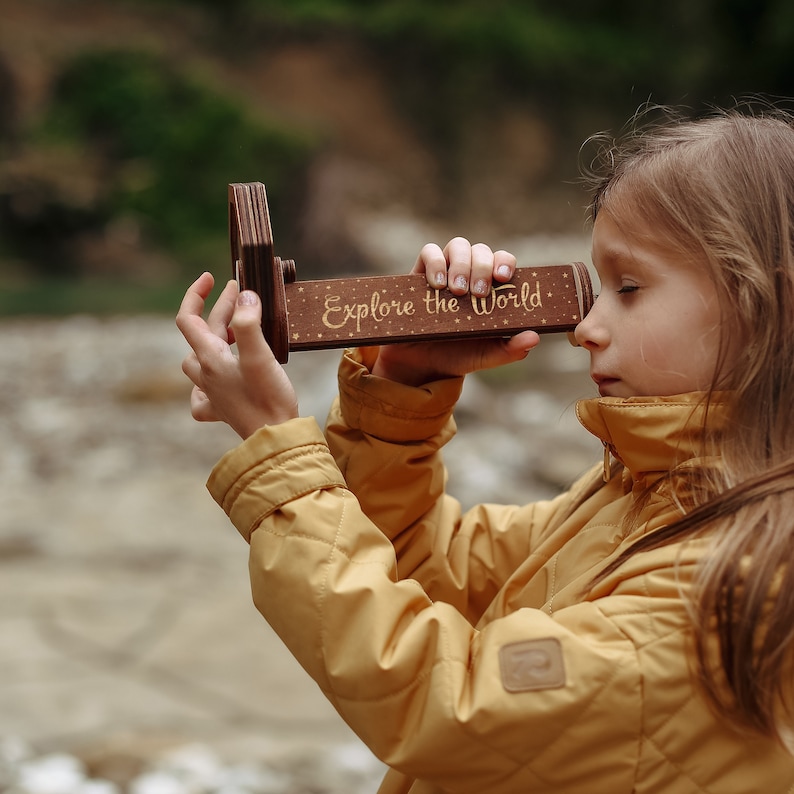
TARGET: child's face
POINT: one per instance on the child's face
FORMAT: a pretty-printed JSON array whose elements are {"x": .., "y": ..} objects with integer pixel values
[{"x": 655, "y": 327}]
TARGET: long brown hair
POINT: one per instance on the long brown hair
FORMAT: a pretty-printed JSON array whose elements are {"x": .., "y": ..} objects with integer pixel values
[{"x": 722, "y": 189}]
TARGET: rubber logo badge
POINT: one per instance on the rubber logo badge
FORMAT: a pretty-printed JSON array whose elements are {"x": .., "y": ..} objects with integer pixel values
[{"x": 532, "y": 665}]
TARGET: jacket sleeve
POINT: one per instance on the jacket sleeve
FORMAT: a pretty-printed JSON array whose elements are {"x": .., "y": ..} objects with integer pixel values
[
  {"x": 527, "y": 703},
  {"x": 387, "y": 440}
]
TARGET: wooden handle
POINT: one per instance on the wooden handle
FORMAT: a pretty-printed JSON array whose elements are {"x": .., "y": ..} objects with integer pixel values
[{"x": 377, "y": 310}]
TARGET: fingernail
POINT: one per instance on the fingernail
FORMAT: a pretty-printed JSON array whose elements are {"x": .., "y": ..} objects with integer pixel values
[
  {"x": 480, "y": 287},
  {"x": 247, "y": 298},
  {"x": 461, "y": 282},
  {"x": 503, "y": 271},
  {"x": 441, "y": 278}
]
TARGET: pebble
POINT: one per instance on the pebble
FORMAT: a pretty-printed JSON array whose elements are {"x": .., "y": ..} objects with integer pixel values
[
  {"x": 57, "y": 773},
  {"x": 192, "y": 769}
]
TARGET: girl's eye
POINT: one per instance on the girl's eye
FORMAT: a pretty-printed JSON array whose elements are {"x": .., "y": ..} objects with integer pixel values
[{"x": 627, "y": 288}]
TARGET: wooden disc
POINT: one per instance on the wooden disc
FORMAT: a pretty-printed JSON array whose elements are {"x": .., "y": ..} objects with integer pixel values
[{"x": 253, "y": 263}]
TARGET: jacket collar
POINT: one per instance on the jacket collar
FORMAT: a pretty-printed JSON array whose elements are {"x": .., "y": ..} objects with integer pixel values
[{"x": 652, "y": 435}]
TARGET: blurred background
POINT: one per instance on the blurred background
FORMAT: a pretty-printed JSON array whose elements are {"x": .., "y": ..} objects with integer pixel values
[
  {"x": 131, "y": 658},
  {"x": 121, "y": 122}
]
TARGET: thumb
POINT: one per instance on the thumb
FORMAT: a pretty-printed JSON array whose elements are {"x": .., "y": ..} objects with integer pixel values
[
  {"x": 498, "y": 353},
  {"x": 269, "y": 397},
  {"x": 247, "y": 326}
]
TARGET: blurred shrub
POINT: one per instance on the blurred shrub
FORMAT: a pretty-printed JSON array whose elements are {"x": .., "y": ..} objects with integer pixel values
[
  {"x": 133, "y": 146},
  {"x": 672, "y": 50},
  {"x": 164, "y": 146},
  {"x": 588, "y": 64}
]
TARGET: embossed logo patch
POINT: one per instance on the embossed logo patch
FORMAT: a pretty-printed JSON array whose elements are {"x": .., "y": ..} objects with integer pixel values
[{"x": 531, "y": 665}]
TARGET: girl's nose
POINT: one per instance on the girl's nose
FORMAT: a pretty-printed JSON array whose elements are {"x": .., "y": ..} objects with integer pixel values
[{"x": 591, "y": 333}]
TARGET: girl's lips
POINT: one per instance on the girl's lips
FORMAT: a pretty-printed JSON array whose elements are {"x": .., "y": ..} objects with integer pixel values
[{"x": 605, "y": 384}]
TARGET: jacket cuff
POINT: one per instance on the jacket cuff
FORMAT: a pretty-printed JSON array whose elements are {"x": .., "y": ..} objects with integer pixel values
[
  {"x": 388, "y": 410},
  {"x": 270, "y": 468}
]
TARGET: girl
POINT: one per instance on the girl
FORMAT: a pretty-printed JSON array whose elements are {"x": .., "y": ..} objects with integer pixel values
[{"x": 634, "y": 634}]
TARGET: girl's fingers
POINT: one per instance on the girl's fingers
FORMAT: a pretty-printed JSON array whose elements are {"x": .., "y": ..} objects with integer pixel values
[
  {"x": 482, "y": 267},
  {"x": 458, "y": 254},
  {"x": 504, "y": 265},
  {"x": 201, "y": 409},
  {"x": 247, "y": 321},
  {"x": 522, "y": 343},
  {"x": 463, "y": 267},
  {"x": 491, "y": 353},
  {"x": 270, "y": 393},
  {"x": 223, "y": 310},
  {"x": 191, "y": 367},
  {"x": 189, "y": 318},
  {"x": 253, "y": 351},
  {"x": 433, "y": 263}
]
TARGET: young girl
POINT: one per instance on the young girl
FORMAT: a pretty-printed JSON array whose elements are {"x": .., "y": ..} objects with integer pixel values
[{"x": 635, "y": 634}]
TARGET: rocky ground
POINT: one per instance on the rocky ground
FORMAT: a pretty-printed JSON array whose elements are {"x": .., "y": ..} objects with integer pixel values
[{"x": 131, "y": 658}]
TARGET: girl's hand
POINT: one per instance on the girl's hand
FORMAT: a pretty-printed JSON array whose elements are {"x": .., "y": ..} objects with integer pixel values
[
  {"x": 464, "y": 268},
  {"x": 247, "y": 390}
]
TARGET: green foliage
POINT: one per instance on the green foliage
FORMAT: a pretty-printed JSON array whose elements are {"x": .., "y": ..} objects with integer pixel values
[
  {"x": 586, "y": 63},
  {"x": 131, "y": 136},
  {"x": 64, "y": 296},
  {"x": 169, "y": 144},
  {"x": 603, "y": 50}
]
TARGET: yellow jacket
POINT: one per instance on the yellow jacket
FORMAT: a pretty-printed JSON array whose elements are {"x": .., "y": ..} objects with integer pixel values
[{"x": 465, "y": 650}]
